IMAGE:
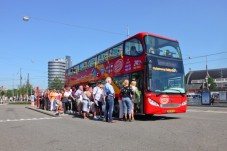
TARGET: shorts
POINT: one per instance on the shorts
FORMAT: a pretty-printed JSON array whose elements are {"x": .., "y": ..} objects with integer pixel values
[
  {"x": 78, "y": 103},
  {"x": 58, "y": 102}
]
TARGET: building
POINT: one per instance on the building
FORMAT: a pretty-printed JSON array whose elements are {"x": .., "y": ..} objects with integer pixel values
[
  {"x": 57, "y": 67},
  {"x": 69, "y": 62},
  {"x": 196, "y": 79}
]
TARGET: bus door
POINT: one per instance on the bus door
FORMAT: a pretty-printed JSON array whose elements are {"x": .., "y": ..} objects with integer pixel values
[{"x": 139, "y": 78}]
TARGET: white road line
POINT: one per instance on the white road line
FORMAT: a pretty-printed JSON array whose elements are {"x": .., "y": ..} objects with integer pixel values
[
  {"x": 31, "y": 119},
  {"x": 208, "y": 111}
]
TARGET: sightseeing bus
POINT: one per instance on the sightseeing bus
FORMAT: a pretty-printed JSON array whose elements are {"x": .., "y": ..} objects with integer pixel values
[{"x": 153, "y": 61}]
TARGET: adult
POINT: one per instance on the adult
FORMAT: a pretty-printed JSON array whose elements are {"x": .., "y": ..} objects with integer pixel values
[
  {"x": 52, "y": 97},
  {"x": 135, "y": 98},
  {"x": 73, "y": 97},
  {"x": 97, "y": 97},
  {"x": 120, "y": 107},
  {"x": 109, "y": 98},
  {"x": 32, "y": 100},
  {"x": 58, "y": 102},
  {"x": 79, "y": 99},
  {"x": 45, "y": 97},
  {"x": 127, "y": 93},
  {"x": 85, "y": 103},
  {"x": 65, "y": 99}
]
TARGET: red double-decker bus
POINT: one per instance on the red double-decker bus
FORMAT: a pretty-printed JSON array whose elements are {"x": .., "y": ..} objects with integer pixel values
[{"x": 153, "y": 61}]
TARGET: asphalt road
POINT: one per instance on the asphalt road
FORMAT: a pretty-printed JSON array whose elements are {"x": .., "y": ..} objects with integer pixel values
[{"x": 200, "y": 129}]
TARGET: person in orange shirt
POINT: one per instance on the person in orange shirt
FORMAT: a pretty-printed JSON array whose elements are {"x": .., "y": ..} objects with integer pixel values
[{"x": 52, "y": 98}]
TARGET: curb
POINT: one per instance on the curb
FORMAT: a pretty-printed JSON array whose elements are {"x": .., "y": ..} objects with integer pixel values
[{"x": 42, "y": 111}]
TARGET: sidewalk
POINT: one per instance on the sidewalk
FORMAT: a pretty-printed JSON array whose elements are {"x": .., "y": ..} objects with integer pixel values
[
  {"x": 50, "y": 113},
  {"x": 216, "y": 104}
]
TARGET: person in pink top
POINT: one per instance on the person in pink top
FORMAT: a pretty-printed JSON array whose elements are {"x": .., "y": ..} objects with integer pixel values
[{"x": 58, "y": 102}]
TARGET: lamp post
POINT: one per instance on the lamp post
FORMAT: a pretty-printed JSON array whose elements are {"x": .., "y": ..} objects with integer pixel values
[{"x": 207, "y": 83}]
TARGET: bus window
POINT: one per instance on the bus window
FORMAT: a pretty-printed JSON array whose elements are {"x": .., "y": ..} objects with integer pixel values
[
  {"x": 69, "y": 71},
  {"x": 91, "y": 62},
  {"x": 116, "y": 51},
  {"x": 162, "y": 47},
  {"x": 83, "y": 66},
  {"x": 103, "y": 57},
  {"x": 77, "y": 68},
  {"x": 133, "y": 47}
]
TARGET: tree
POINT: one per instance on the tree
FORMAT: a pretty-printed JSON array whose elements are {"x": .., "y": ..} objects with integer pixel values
[
  {"x": 211, "y": 83},
  {"x": 56, "y": 84}
]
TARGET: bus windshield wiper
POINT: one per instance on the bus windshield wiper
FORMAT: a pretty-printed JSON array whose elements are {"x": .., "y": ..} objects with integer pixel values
[{"x": 182, "y": 94}]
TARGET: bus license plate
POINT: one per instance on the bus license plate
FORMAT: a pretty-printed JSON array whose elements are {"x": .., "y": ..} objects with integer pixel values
[{"x": 171, "y": 111}]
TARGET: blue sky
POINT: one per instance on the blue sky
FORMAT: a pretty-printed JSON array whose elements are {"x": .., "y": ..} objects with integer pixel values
[{"x": 71, "y": 27}]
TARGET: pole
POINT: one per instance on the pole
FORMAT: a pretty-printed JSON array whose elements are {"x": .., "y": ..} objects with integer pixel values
[
  {"x": 127, "y": 31},
  {"x": 27, "y": 86},
  {"x": 20, "y": 84}
]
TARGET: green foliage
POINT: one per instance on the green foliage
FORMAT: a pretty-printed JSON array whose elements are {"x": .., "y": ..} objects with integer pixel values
[
  {"x": 56, "y": 84},
  {"x": 20, "y": 91},
  {"x": 2, "y": 93},
  {"x": 212, "y": 84}
]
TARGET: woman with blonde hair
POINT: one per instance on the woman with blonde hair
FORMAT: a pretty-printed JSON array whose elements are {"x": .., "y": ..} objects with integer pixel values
[
  {"x": 127, "y": 93},
  {"x": 134, "y": 88}
]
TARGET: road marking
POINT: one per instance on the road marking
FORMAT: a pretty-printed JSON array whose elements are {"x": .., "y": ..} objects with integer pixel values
[
  {"x": 208, "y": 111},
  {"x": 30, "y": 119}
]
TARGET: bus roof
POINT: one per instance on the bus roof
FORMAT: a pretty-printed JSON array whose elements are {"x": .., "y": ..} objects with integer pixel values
[{"x": 152, "y": 34}]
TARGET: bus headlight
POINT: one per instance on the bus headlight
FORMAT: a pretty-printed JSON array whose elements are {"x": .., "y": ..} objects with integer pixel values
[
  {"x": 184, "y": 103},
  {"x": 153, "y": 102}
]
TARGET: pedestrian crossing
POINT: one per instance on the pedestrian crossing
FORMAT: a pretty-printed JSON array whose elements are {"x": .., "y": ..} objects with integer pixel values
[{"x": 29, "y": 119}]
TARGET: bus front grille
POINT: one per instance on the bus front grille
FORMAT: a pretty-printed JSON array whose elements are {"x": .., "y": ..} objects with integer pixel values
[{"x": 169, "y": 105}]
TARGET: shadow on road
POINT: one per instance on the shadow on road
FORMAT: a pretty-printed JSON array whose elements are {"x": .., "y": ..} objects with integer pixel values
[{"x": 154, "y": 118}]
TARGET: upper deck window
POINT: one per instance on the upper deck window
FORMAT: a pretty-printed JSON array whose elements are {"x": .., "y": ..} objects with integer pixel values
[
  {"x": 133, "y": 47},
  {"x": 77, "y": 68},
  {"x": 103, "y": 57},
  {"x": 69, "y": 71},
  {"x": 116, "y": 51},
  {"x": 162, "y": 47},
  {"x": 83, "y": 65},
  {"x": 91, "y": 62}
]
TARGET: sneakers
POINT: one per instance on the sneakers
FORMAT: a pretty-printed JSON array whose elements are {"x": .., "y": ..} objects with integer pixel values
[{"x": 96, "y": 118}]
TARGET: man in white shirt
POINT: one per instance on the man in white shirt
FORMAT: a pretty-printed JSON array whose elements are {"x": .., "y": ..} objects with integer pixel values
[
  {"x": 97, "y": 96},
  {"x": 79, "y": 98}
]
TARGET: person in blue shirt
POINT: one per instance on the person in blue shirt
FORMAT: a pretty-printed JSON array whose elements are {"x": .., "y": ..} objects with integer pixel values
[{"x": 109, "y": 95}]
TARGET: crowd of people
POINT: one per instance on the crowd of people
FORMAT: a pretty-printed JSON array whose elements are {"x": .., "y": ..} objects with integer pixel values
[{"x": 98, "y": 100}]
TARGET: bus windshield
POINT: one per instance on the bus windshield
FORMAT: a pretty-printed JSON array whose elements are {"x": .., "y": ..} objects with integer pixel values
[
  {"x": 162, "y": 47},
  {"x": 165, "y": 76}
]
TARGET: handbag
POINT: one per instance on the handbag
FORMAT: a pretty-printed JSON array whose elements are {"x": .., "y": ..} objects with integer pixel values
[{"x": 64, "y": 100}]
